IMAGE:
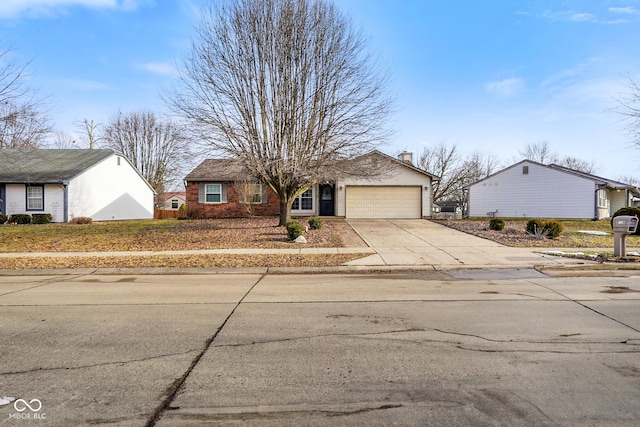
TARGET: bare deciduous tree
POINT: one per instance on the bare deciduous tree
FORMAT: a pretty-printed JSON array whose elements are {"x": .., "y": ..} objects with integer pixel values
[
  {"x": 155, "y": 146},
  {"x": 22, "y": 124},
  {"x": 578, "y": 164},
  {"x": 456, "y": 172},
  {"x": 89, "y": 133},
  {"x": 629, "y": 109},
  {"x": 539, "y": 152},
  {"x": 64, "y": 141},
  {"x": 446, "y": 162},
  {"x": 476, "y": 166},
  {"x": 286, "y": 87}
]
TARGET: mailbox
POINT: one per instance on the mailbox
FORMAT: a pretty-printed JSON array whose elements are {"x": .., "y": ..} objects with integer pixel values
[
  {"x": 622, "y": 226},
  {"x": 625, "y": 224}
]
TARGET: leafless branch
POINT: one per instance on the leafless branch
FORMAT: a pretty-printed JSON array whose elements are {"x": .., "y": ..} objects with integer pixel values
[{"x": 287, "y": 87}]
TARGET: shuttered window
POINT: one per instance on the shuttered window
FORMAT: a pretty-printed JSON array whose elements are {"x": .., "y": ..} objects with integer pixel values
[{"x": 212, "y": 193}]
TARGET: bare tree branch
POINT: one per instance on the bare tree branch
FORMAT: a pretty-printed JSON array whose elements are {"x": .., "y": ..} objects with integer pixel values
[
  {"x": 22, "y": 123},
  {"x": 157, "y": 147},
  {"x": 285, "y": 86}
]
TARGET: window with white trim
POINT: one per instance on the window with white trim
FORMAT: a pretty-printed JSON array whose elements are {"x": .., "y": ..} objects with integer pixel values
[
  {"x": 603, "y": 199},
  {"x": 303, "y": 202},
  {"x": 213, "y": 193},
  {"x": 35, "y": 198},
  {"x": 174, "y": 203}
]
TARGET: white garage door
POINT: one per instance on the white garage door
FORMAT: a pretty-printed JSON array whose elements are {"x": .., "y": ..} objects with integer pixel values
[{"x": 384, "y": 202}]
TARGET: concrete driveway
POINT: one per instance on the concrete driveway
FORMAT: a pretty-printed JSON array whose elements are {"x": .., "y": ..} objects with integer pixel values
[{"x": 422, "y": 242}]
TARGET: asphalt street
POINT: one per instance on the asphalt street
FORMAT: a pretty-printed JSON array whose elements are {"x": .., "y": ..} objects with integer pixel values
[{"x": 455, "y": 348}]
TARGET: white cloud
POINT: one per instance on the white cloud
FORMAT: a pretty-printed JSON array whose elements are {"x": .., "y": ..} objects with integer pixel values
[
  {"x": 85, "y": 85},
  {"x": 37, "y": 8},
  {"x": 624, "y": 10},
  {"x": 505, "y": 88},
  {"x": 162, "y": 68},
  {"x": 569, "y": 15}
]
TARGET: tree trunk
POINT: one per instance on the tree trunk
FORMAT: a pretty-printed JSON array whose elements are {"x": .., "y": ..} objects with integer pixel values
[{"x": 285, "y": 211}]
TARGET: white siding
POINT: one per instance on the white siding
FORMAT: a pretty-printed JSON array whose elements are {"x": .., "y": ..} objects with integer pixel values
[
  {"x": 111, "y": 190},
  {"x": 54, "y": 201},
  {"x": 399, "y": 176},
  {"x": 542, "y": 192},
  {"x": 16, "y": 201},
  {"x": 619, "y": 199}
]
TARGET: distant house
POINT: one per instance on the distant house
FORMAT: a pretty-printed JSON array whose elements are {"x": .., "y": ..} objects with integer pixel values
[
  {"x": 171, "y": 201},
  {"x": 99, "y": 184},
  {"x": 223, "y": 188},
  {"x": 532, "y": 190}
]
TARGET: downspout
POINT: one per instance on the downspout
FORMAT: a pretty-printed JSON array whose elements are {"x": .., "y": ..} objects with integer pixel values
[{"x": 65, "y": 203}]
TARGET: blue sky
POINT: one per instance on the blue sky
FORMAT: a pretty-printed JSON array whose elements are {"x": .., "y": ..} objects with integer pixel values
[{"x": 487, "y": 75}]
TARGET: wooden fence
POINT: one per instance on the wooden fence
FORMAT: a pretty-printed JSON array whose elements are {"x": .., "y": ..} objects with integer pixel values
[{"x": 165, "y": 213}]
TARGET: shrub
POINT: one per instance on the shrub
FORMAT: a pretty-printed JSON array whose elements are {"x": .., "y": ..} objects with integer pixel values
[
  {"x": 20, "y": 218},
  {"x": 535, "y": 226},
  {"x": 294, "y": 229},
  {"x": 81, "y": 220},
  {"x": 3, "y": 219},
  {"x": 194, "y": 213},
  {"x": 496, "y": 224},
  {"x": 315, "y": 223},
  {"x": 41, "y": 218},
  {"x": 628, "y": 211},
  {"x": 551, "y": 228}
]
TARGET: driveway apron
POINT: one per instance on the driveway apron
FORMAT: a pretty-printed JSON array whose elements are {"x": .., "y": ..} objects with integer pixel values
[{"x": 423, "y": 242}]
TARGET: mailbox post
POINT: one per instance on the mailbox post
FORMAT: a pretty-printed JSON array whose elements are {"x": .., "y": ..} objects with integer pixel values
[{"x": 623, "y": 225}]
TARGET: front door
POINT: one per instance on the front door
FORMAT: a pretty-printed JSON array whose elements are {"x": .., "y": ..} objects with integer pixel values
[{"x": 327, "y": 203}]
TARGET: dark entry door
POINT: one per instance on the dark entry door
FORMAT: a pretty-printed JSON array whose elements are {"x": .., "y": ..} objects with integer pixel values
[{"x": 327, "y": 203}]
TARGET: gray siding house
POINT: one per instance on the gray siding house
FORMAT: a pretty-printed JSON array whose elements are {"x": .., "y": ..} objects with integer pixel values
[{"x": 532, "y": 190}]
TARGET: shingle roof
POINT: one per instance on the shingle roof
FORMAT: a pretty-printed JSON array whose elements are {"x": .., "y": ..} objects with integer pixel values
[
  {"x": 218, "y": 170},
  {"x": 46, "y": 166}
]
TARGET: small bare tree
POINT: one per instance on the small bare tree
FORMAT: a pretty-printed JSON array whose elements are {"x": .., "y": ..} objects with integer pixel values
[
  {"x": 64, "y": 141},
  {"x": 22, "y": 124},
  {"x": 249, "y": 194},
  {"x": 629, "y": 110},
  {"x": 580, "y": 165},
  {"x": 539, "y": 152},
  {"x": 444, "y": 161},
  {"x": 89, "y": 133},
  {"x": 287, "y": 88},
  {"x": 476, "y": 166},
  {"x": 156, "y": 146}
]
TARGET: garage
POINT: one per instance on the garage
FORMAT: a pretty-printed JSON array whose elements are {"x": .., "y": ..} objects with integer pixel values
[{"x": 384, "y": 202}]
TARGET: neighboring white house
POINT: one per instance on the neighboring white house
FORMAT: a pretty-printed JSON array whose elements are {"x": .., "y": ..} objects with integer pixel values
[
  {"x": 171, "y": 201},
  {"x": 99, "y": 184},
  {"x": 532, "y": 190}
]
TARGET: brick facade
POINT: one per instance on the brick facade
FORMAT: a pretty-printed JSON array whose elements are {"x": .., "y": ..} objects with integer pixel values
[{"x": 232, "y": 208}]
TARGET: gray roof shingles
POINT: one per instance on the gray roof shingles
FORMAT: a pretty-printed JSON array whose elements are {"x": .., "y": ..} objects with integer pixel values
[{"x": 44, "y": 166}]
